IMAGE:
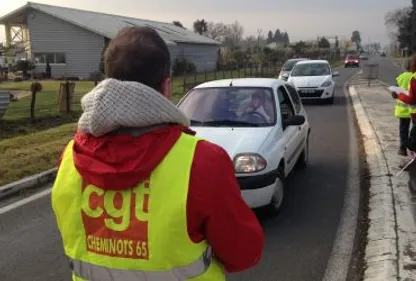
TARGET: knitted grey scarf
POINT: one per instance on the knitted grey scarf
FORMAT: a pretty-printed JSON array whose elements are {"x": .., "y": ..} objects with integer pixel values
[{"x": 113, "y": 104}]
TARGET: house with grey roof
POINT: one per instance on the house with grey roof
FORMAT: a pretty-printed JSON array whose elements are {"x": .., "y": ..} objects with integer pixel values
[{"x": 72, "y": 40}]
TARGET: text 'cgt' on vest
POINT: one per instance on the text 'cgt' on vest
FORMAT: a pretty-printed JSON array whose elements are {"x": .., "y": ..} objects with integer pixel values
[{"x": 133, "y": 234}]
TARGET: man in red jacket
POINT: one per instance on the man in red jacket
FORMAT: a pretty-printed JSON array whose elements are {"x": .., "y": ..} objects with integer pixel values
[{"x": 127, "y": 129}]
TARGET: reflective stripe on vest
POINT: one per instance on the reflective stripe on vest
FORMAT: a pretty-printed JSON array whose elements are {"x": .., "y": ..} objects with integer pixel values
[
  {"x": 90, "y": 271},
  {"x": 402, "y": 104}
]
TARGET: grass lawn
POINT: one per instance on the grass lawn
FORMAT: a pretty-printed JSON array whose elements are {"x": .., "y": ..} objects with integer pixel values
[
  {"x": 30, "y": 154},
  {"x": 27, "y": 149}
]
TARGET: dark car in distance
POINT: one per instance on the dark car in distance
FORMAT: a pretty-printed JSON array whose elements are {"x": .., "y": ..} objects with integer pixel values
[
  {"x": 287, "y": 68},
  {"x": 352, "y": 61}
]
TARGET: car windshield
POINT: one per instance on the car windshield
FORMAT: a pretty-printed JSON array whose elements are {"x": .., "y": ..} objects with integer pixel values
[
  {"x": 311, "y": 69},
  {"x": 230, "y": 107},
  {"x": 289, "y": 65}
]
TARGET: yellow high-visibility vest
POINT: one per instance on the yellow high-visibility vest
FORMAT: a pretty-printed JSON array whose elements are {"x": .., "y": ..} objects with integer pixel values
[
  {"x": 402, "y": 109},
  {"x": 133, "y": 234}
]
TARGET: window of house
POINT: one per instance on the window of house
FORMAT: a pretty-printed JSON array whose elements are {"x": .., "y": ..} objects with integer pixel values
[{"x": 52, "y": 57}]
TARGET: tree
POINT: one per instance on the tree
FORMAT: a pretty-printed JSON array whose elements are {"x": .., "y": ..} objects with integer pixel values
[
  {"x": 24, "y": 66},
  {"x": 278, "y": 36},
  {"x": 286, "y": 38},
  {"x": 299, "y": 46},
  {"x": 399, "y": 22},
  {"x": 178, "y": 23},
  {"x": 216, "y": 31},
  {"x": 324, "y": 43},
  {"x": 233, "y": 35},
  {"x": 336, "y": 42},
  {"x": 270, "y": 37},
  {"x": 200, "y": 26},
  {"x": 356, "y": 38}
]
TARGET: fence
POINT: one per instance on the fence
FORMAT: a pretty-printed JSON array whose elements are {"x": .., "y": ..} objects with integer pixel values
[{"x": 47, "y": 101}]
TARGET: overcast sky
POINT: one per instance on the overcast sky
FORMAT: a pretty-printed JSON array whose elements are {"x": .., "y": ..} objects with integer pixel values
[{"x": 302, "y": 19}]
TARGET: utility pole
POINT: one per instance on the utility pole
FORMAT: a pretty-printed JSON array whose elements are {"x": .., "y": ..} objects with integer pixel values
[{"x": 258, "y": 43}]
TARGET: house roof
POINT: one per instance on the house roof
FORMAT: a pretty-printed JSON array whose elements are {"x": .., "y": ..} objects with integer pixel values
[{"x": 108, "y": 25}]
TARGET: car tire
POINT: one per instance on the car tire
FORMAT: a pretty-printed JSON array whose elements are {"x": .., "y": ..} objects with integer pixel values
[
  {"x": 304, "y": 157},
  {"x": 276, "y": 203}
]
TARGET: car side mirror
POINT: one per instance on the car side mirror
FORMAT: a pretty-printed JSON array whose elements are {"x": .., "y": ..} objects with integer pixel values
[
  {"x": 335, "y": 74},
  {"x": 294, "y": 120},
  {"x": 285, "y": 75}
]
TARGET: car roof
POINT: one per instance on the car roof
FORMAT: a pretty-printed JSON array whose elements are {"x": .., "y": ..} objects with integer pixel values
[
  {"x": 312, "y": 61},
  {"x": 242, "y": 82},
  {"x": 298, "y": 59}
]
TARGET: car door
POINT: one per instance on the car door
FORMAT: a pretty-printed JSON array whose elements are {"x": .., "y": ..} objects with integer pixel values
[{"x": 290, "y": 133}]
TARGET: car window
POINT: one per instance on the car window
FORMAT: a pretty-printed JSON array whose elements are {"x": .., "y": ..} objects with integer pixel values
[
  {"x": 286, "y": 106},
  {"x": 295, "y": 98},
  {"x": 288, "y": 66},
  {"x": 242, "y": 106},
  {"x": 311, "y": 69}
]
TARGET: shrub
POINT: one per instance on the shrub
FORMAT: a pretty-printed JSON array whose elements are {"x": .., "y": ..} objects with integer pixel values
[
  {"x": 17, "y": 79},
  {"x": 182, "y": 66},
  {"x": 36, "y": 87}
]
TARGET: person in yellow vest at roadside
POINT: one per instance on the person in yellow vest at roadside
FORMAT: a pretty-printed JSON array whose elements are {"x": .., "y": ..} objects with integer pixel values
[
  {"x": 409, "y": 99},
  {"x": 402, "y": 110},
  {"x": 137, "y": 196}
]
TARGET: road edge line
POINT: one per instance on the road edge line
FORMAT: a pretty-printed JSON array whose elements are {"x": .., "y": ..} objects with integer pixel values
[
  {"x": 339, "y": 262},
  {"x": 377, "y": 266}
]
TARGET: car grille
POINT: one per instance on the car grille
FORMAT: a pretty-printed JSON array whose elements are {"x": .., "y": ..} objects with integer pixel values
[{"x": 310, "y": 93}]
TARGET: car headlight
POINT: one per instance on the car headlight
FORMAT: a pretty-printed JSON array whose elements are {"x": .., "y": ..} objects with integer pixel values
[
  {"x": 326, "y": 84},
  {"x": 249, "y": 163}
]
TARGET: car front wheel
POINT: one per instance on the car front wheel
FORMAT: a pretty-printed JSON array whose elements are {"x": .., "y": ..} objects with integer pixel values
[{"x": 276, "y": 202}]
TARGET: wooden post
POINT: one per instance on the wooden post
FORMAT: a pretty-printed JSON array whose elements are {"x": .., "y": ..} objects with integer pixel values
[
  {"x": 32, "y": 106},
  {"x": 68, "y": 100},
  {"x": 34, "y": 88}
]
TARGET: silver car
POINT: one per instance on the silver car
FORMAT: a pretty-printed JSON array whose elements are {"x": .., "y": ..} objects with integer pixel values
[{"x": 287, "y": 68}]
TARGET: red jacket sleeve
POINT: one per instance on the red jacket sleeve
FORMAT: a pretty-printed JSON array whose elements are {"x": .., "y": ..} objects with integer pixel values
[
  {"x": 411, "y": 97},
  {"x": 217, "y": 212}
]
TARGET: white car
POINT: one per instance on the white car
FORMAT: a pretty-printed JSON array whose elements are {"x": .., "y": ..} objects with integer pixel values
[
  {"x": 262, "y": 125},
  {"x": 313, "y": 79}
]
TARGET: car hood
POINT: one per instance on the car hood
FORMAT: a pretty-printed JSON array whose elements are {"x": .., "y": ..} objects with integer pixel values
[
  {"x": 235, "y": 140},
  {"x": 309, "y": 81}
]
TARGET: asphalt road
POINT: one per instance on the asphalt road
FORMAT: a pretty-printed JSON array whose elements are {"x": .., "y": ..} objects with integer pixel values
[
  {"x": 388, "y": 70},
  {"x": 298, "y": 242}
]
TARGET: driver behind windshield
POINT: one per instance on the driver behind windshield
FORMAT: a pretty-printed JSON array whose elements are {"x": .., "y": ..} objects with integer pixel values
[{"x": 257, "y": 105}]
